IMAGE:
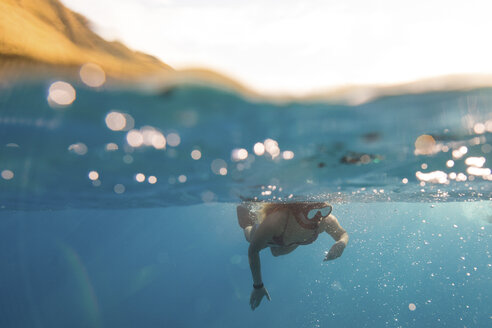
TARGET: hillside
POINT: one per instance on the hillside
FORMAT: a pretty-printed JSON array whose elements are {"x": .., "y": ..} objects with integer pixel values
[{"x": 46, "y": 32}]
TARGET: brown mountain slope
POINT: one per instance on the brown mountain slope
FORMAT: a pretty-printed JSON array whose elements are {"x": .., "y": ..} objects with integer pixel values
[
  {"x": 43, "y": 36},
  {"x": 40, "y": 37},
  {"x": 47, "y": 32}
]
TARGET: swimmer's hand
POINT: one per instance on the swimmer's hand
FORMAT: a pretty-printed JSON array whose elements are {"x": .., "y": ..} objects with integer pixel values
[
  {"x": 335, "y": 251},
  {"x": 257, "y": 296}
]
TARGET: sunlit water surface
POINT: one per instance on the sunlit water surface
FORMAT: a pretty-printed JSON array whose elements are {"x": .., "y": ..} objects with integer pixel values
[{"x": 118, "y": 208}]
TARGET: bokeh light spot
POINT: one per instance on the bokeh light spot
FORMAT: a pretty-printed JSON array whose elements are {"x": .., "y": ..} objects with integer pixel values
[
  {"x": 173, "y": 139},
  {"x": 486, "y": 148},
  {"x": 140, "y": 177},
  {"x": 7, "y": 174},
  {"x": 259, "y": 149},
  {"x": 158, "y": 140},
  {"x": 188, "y": 118},
  {"x": 425, "y": 145},
  {"x": 475, "y": 161},
  {"x": 196, "y": 154},
  {"x": 239, "y": 154},
  {"x": 78, "y": 148},
  {"x": 128, "y": 159},
  {"x": 111, "y": 146},
  {"x": 119, "y": 188},
  {"x": 93, "y": 175},
  {"x": 92, "y": 75},
  {"x": 479, "y": 128},
  {"x": 458, "y": 153},
  {"x": 271, "y": 147},
  {"x": 218, "y": 165},
  {"x": 478, "y": 171},
  {"x": 433, "y": 177},
  {"x": 134, "y": 138},
  {"x": 461, "y": 177},
  {"x": 115, "y": 121},
  {"x": 61, "y": 94},
  {"x": 287, "y": 154},
  {"x": 208, "y": 196}
]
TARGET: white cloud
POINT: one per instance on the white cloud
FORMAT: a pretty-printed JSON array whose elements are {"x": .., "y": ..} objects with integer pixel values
[{"x": 300, "y": 46}]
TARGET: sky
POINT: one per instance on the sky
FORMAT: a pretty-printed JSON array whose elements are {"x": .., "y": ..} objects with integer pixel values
[{"x": 299, "y": 47}]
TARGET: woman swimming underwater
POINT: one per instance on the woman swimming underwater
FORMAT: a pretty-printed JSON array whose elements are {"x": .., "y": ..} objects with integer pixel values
[{"x": 283, "y": 227}]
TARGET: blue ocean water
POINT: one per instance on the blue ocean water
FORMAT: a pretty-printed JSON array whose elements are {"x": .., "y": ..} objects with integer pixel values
[{"x": 104, "y": 226}]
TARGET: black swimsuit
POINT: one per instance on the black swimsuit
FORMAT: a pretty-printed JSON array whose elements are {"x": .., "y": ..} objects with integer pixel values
[{"x": 278, "y": 241}]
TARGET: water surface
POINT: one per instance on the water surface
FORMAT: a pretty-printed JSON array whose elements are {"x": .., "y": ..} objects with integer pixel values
[{"x": 104, "y": 225}]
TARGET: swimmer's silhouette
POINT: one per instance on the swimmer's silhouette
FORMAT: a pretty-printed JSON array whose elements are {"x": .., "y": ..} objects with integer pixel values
[{"x": 283, "y": 227}]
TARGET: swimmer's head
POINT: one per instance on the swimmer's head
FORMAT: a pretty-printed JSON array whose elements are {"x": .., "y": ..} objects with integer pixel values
[
  {"x": 324, "y": 211},
  {"x": 295, "y": 207}
]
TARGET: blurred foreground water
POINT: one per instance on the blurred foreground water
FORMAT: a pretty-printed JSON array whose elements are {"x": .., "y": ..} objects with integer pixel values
[{"x": 123, "y": 148}]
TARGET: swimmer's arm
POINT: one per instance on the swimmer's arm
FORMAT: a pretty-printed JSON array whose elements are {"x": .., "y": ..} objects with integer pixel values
[
  {"x": 335, "y": 230},
  {"x": 254, "y": 261},
  {"x": 262, "y": 235}
]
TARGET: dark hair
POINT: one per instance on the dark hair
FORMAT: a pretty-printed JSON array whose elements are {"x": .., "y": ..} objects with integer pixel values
[{"x": 269, "y": 208}]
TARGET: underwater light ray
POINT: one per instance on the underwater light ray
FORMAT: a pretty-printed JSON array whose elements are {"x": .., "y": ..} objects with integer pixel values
[{"x": 87, "y": 294}]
